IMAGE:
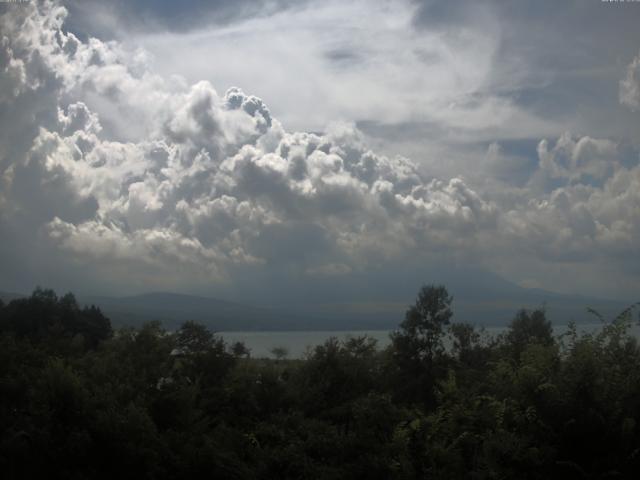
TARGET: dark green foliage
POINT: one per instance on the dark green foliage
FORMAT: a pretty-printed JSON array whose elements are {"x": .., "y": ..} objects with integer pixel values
[
  {"x": 444, "y": 401},
  {"x": 418, "y": 348},
  {"x": 528, "y": 328},
  {"x": 421, "y": 332},
  {"x": 240, "y": 350},
  {"x": 58, "y": 321}
]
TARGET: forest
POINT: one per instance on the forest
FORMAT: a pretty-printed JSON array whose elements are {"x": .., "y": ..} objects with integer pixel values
[{"x": 80, "y": 400}]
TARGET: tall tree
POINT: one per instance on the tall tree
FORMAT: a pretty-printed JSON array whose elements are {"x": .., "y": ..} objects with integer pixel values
[{"x": 418, "y": 344}]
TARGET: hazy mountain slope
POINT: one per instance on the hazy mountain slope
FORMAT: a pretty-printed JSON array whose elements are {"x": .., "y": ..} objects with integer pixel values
[
  {"x": 480, "y": 297},
  {"x": 491, "y": 310},
  {"x": 173, "y": 309}
]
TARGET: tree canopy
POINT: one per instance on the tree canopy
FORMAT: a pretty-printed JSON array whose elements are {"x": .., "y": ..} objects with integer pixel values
[{"x": 444, "y": 400}]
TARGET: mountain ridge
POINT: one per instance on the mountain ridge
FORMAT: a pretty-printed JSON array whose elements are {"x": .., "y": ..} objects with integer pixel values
[{"x": 492, "y": 307}]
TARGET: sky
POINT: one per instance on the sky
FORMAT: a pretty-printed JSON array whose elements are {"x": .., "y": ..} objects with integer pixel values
[{"x": 280, "y": 150}]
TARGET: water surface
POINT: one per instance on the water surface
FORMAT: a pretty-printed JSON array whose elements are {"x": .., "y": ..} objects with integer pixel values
[{"x": 299, "y": 342}]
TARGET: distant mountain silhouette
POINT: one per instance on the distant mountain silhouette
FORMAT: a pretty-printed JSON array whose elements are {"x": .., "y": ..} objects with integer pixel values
[
  {"x": 380, "y": 299},
  {"x": 479, "y": 297},
  {"x": 490, "y": 301},
  {"x": 491, "y": 308},
  {"x": 173, "y": 309}
]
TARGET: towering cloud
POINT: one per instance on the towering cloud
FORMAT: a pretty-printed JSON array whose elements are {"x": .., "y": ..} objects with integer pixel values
[{"x": 133, "y": 179}]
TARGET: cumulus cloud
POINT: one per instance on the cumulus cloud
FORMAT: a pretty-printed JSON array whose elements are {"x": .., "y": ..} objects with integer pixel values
[
  {"x": 109, "y": 165},
  {"x": 215, "y": 181},
  {"x": 576, "y": 159}
]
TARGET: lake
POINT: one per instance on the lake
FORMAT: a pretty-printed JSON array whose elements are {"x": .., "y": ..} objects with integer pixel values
[{"x": 297, "y": 342}]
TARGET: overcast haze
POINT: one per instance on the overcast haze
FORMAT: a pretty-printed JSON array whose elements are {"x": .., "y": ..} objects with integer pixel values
[{"x": 331, "y": 150}]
